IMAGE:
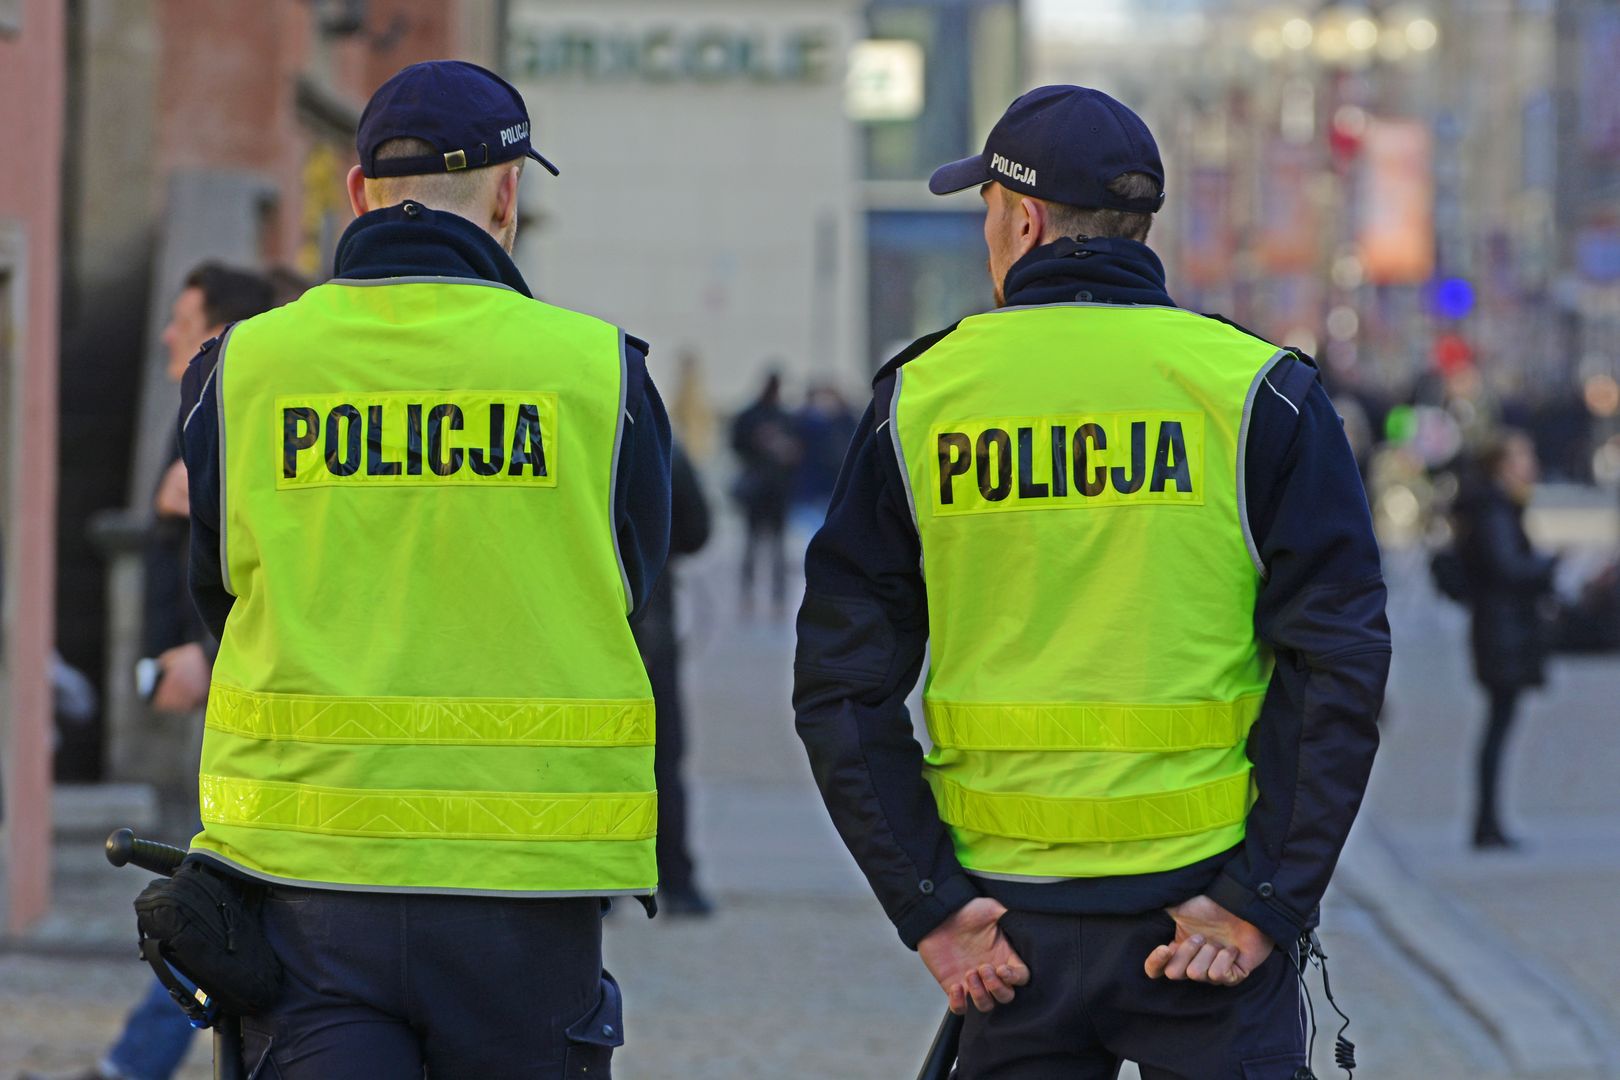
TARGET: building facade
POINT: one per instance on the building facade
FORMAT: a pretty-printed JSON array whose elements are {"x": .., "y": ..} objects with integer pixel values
[
  {"x": 31, "y": 51},
  {"x": 707, "y": 200}
]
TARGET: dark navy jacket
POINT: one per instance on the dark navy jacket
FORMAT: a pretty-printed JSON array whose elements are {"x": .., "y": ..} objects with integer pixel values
[
  {"x": 412, "y": 241},
  {"x": 864, "y": 627}
]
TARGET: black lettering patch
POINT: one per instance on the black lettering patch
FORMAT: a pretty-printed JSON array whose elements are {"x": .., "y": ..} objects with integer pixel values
[
  {"x": 418, "y": 437},
  {"x": 1059, "y": 462}
]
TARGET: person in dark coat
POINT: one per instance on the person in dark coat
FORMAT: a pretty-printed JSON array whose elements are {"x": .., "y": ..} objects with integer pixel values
[
  {"x": 764, "y": 439},
  {"x": 1509, "y": 583},
  {"x": 678, "y": 893}
]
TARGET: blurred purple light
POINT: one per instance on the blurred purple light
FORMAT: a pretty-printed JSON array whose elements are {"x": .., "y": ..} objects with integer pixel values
[{"x": 1453, "y": 298}]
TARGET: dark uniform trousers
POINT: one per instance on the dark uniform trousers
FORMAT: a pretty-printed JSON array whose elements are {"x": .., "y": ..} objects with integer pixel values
[
  {"x": 1089, "y": 1006},
  {"x": 397, "y": 987}
]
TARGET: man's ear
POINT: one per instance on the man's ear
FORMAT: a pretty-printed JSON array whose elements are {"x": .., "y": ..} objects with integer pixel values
[
  {"x": 357, "y": 191},
  {"x": 506, "y": 204},
  {"x": 1031, "y": 225}
]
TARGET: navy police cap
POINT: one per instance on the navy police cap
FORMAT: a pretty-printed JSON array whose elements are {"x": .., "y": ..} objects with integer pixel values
[
  {"x": 1065, "y": 144},
  {"x": 471, "y": 116}
]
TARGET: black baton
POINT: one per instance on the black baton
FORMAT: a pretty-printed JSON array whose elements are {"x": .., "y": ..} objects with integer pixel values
[{"x": 942, "y": 1054}]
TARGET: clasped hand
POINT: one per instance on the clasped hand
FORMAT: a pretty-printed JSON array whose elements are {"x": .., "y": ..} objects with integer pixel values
[
  {"x": 1211, "y": 946},
  {"x": 971, "y": 959}
]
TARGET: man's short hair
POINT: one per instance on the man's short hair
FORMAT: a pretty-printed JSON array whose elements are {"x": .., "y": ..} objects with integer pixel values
[
  {"x": 1125, "y": 224},
  {"x": 229, "y": 294},
  {"x": 460, "y": 190}
]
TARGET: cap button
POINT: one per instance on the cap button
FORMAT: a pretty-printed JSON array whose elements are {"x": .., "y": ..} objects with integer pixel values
[{"x": 411, "y": 209}]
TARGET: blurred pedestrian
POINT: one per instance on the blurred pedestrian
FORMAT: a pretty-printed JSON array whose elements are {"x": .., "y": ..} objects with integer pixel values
[
  {"x": 1133, "y": 543},
  {"x": 824, "y": 426},
  {"x": 157, "y": 1035},
  {"x": 425, "y": 509},
  {"x": 657, "y": 638},
  {"x": 1509, "y": 586},
  {"x": 691, "y": 413},
  {"x": 212, "y": 297},
  {"x": 763, "y": 438}
]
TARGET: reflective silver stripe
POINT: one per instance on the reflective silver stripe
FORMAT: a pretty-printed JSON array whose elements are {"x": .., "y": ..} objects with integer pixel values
[
  {"x": 200, "y": 394},
  {"x": 419, "y": 279},
  {"x": 421, "y": 890},
  {"x": 900, "y": 459},
  {"x": 1243, "y": 457},
  {"x": 1085, "y": 303},
  {"x": 900, "y": 451},
  {"x": 613, "y": 476},
  {"x": 1024, "y": 878},
  {"x": 218, "y": 376}
]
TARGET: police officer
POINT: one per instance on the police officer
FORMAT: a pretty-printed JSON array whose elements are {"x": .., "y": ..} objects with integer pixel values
[
  {"x": 424, "y": 505},
  {"x": 1136, "y": 544}
]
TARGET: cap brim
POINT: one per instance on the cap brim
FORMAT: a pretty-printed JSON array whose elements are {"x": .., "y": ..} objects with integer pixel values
[
  {"x": 959, "y": 175},
  {"x": 552, "y": 169}
]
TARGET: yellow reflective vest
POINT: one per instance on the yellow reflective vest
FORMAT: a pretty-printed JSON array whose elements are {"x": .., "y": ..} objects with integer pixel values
[
  {"x": 1076, "y": 476},
  {"x": 427, "y": 681}
]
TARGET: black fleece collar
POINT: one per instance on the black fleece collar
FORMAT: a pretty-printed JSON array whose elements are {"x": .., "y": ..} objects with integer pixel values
[
  {"x": 1103, "y": 271},
  {"x": 412, "y": 240}
]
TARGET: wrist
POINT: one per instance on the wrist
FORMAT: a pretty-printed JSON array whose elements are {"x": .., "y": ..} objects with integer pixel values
[
  {"x": 1256, "y": 906},
  {"x": 937, "y": 902}
]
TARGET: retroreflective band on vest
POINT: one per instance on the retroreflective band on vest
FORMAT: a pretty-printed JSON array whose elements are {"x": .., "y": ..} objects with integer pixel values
[
  {"x": 1075, "y": 472},
  {"x": 426, "y": 682}
]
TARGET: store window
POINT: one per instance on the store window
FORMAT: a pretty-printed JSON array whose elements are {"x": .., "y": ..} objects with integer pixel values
[{"x": 971, "y": 71}]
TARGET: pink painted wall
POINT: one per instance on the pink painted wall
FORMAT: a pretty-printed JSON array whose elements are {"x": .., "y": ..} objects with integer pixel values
[{"x": 32, "y": 85}]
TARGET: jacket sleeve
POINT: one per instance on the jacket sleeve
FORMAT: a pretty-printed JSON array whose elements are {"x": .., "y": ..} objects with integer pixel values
[
  {"x": 1321, "y": 609},
  {"x": 641, "y": 494},
  {"x": 199, "y": 447},
  {"x": 862, "y": 631}
]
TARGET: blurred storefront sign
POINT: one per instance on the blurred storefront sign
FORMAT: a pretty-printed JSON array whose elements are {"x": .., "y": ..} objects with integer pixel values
[
  {"x": 1396, "y": 236},
  {"x": 1599, "y": 99},
  {"x": 1208, "y": 244},
  {"x": 885, "y": 81},
  {"x": 708, "y": 200},
  {"x": 1597, "y": 252},
  {"x": 1289, "y": 227},
  {"x": 671, "y": 52}
]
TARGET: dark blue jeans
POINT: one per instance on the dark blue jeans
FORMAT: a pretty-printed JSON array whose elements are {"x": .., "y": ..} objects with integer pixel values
[{"x": 400, "y": 986}]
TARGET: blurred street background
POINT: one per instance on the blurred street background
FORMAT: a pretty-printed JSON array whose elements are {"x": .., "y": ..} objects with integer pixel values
[{"x": 1425, "y": 196}]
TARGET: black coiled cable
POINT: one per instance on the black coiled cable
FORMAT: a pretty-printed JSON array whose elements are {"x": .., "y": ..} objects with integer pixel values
[{"x": 1344, "y": 1051}]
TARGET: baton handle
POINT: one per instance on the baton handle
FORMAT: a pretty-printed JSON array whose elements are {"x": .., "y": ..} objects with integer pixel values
[{"x": 124, "y": 847}]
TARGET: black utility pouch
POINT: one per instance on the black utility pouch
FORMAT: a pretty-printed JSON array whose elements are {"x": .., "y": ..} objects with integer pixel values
[{"x": 202, "y": 924}]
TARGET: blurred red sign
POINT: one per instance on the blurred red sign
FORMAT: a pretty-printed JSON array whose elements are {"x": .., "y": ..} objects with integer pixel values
[{"x": 1452, "y": 353}]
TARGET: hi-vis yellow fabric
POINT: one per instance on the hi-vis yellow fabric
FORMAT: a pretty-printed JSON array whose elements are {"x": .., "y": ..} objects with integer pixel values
[
  {"x": 1075, "y": 472},
  {"x": 427, "y": 681}
]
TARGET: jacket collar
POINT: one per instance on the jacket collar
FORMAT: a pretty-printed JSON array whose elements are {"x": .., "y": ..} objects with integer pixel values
[
  {"x": 412, "y": 240},
  {"x": 1094, "y": 270}
]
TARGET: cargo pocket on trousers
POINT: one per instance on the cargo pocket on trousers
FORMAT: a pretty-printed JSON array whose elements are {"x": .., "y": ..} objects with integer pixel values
[
  {"x": 592, "y": 1037},
  {"x": 1275, "y": 1066}
]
